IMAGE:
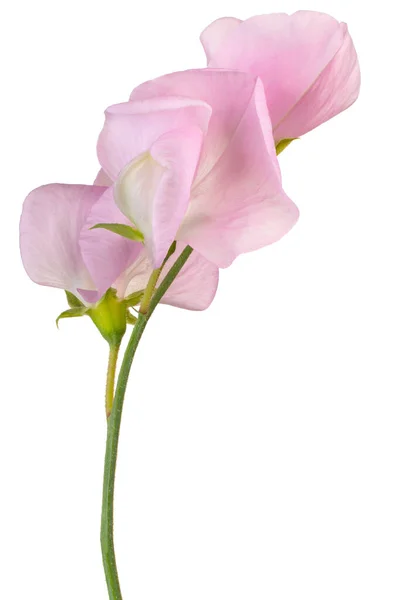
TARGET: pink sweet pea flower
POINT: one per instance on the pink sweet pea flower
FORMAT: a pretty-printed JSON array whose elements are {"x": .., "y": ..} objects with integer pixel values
[
  {"x": 307, "y": 62},
  {"x": 58, "y": 249},
  {"x": 192, "y": 158}
]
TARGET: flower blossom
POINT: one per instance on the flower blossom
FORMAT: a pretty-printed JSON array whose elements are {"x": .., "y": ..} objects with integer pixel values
[{"x": 307, "y": 62}]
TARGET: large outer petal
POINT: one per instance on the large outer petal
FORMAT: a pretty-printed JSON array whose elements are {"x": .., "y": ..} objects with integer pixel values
[
  {"x": 153, "y": 191},
  {"x": 106, "y": 254},
  {"x": 337, "y": 88},
  {"x": 227, "y": 93},
  {"x": 51, "y": 221},
  {"x": 193, "y": 289},
  {"x": 237, "y": 203},
  {"x": 240, "y": 205},
  {"x": 290, "y": 53}
]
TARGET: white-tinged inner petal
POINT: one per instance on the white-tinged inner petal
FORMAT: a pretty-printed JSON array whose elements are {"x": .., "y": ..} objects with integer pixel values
[{"x": 135, "y": 191}]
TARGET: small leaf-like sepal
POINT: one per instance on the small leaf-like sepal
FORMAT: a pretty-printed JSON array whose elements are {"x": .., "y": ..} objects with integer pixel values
[
  {"x": 134, "y": 299},
  {"x": 283, "y": 144},
  {"x": 78, "y": 311},
  {"x": 73, "y": 301},
  {"x": 130, "y": 318},
  {"x": 125, "y": 231}
]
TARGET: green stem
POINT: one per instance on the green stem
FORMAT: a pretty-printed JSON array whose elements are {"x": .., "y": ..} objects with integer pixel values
[
  {"x": 113, "y": 429},
  {"x": 112, "y": 367},
  {"x": 148, "y": 293}
]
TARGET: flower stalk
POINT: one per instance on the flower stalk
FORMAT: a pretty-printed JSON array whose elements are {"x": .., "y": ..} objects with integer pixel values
[
  {"x": 114, "y": 425},
  {"x": 111, "y": 371}
]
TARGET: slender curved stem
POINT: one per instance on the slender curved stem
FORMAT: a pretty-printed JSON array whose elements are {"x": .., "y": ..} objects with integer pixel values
[
  {"x": 111, "y": 370},
  {"x": 113, "y": 429},
  {"x": 149, "y": 291}
]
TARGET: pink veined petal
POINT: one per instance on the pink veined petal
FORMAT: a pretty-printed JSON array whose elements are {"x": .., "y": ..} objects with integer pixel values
[
  {"x": 193, "y": 289},
  {"x": 153, "y": 191},
  {"x": 289, "y": 53},
  {"x": 105, "y": 254},
  {"x": 215, "y": 35},
  {"x": 240, "y": 205},
  {"x": 335, "y": 90},
  {"x": 52, "y": 218},
  {"x": 226, "y": 92},
  {"x": 132, "y": 127},
  {"x": 103, "y": 179}
]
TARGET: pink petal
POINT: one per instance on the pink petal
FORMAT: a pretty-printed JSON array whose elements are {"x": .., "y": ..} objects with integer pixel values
[
  {"x": 216, "y": 34},
  {"x": 227, "y": 93},
  {"x": 290, "y": 53},
  {"x": 237, "y": 202},
  {"x": 106, "y": 254},
  {"x": 336, "y": 89},
  {"x": 132, "y": 128},
  {"x": 102, "y": 179},
  {"x": 193, "y": 289},
  {"x": 240, "y": 205},
  {"x": 51, "y": 221},
  {"x": 153, "y": 191},
  {"x": 195, "y": 286}
]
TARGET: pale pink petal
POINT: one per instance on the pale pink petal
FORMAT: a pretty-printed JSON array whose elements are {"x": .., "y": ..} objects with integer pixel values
[
  {"x": 240, "y": 205},
  {"x": 195, "y": 286},
  {"x": 290, "y": 53},
  {"x": 215, "y": 35},
  {"x": 105, "y": 253},
  {"x": 102, "y": 179},
  {"x": 153, "y": 191},
  {"x": 132, "y": 128},
  {"x": 226, "y": 92},
  {"x": 51, "y": 221},
  {"x": 193, "y": 289},
  {"x": 336, "y": 89}
]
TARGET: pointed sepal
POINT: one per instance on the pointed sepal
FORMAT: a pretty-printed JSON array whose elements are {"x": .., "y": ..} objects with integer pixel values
[
  {"x": 283, "y": 144},
  {"x": 125, "y": 231},
  {"x": 78, "y": 311},
  {"x": 134, "y": 299},
  {"x": 130, "y": 318},
  {"x": 73, "y": 301}
]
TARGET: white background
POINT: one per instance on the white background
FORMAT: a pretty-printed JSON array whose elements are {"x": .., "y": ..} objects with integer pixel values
[{"x": 260, "y": 448}]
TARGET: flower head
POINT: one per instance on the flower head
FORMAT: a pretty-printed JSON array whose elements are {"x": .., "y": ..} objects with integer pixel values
[
  {"x": 192, "y": 158},
  {"x": 307, "y": 62}
]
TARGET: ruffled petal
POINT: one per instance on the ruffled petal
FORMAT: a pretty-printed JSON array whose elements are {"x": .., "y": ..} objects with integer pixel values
[
  {"x": 227, "y": 93},
  {"x": 240, "y": 205},
  {"x": 52, "y": 218},
  {"x": 131, "y": 128},
  {"x": 335, "y": 90},
  {"x": 215, "y": 35},
  {"x": 306, "y": 60}
]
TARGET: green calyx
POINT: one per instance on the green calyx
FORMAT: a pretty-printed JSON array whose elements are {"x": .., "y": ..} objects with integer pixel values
[{"x": 110, "y": 314}]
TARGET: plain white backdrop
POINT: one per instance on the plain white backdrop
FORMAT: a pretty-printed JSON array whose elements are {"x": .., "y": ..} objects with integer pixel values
[{"x": 260, "y": 445}]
